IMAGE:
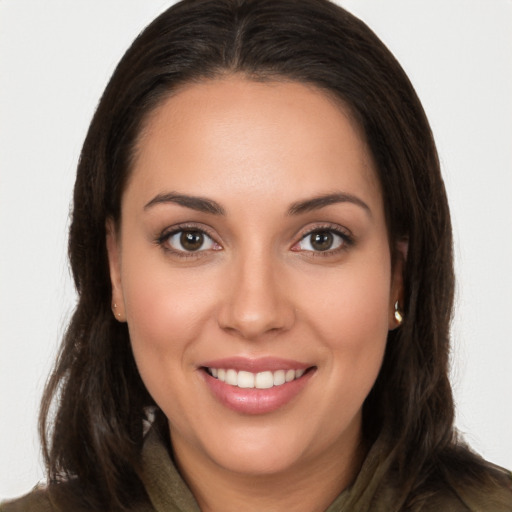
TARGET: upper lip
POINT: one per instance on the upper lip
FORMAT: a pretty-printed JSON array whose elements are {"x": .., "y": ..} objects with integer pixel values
[{"x": 255, "y": 365}]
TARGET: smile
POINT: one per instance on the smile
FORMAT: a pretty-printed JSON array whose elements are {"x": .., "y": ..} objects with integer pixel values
[
  {"x": 256, "y": 386},
  {"x": 260, "y": 380}
]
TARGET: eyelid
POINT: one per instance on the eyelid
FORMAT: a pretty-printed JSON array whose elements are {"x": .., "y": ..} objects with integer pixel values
[
  {"x": 170, "y": 231},
  {"x": 324, "y": 226},
  {"x": 337, "y": 229}
]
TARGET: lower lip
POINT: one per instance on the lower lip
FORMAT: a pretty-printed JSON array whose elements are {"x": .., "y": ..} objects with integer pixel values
[{"x": 256, "y": 401}]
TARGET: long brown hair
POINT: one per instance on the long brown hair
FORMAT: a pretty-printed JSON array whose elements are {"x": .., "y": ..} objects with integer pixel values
[{"x": 96, "y": 435}]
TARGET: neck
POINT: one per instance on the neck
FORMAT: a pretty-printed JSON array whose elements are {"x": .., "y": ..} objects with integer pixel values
[{"x": 310, "y": 486}]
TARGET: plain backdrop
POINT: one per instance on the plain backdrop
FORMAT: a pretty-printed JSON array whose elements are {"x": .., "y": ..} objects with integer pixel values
[{"x": 55, "y": 59}]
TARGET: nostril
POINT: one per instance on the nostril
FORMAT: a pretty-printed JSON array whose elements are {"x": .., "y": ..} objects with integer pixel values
[{"x": 251, "y": 316}]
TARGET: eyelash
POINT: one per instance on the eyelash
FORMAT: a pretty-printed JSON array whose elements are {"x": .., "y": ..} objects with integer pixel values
[
  {"x": 164, "y": 237},
  {"x": 347, "y": 240},
  {"x": 162, "y": 240}
]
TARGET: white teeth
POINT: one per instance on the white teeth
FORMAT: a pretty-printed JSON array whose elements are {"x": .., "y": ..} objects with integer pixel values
[
  {"x": 231, "y": 377},
  {"x": 279, "y": 377},
  {"x": 264, "y": 380},
  {"x": 261, "y": 380},
  {"x": 245, "y": 379}
]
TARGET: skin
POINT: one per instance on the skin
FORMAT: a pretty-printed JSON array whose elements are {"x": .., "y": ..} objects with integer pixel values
[{"x": 258, "y": 288}]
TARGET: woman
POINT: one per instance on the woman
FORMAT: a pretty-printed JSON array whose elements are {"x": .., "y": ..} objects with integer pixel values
[{"x": 262, "y": 249}]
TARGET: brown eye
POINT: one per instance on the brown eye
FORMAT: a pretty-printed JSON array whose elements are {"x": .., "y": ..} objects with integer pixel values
[
  {"x": 322, "y": 240},
  {"x": 190, "y": 240}
]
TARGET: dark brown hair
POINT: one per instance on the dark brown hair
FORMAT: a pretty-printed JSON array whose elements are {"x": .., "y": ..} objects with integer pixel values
[{"x": 96, "y": 435}]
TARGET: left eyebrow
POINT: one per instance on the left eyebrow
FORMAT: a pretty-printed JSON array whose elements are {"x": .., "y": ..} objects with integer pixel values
[
  {"x": 200, "y": 204},
  {"x": 322, "y": 201}
]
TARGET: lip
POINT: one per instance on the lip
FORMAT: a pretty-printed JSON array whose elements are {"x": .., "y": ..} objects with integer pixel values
[
  {"x": 260, "y": 364},
  {"x": 255, "y": 401}
]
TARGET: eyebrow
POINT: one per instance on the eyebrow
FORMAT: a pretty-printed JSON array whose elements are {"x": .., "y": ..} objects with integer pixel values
[
  {"x": 322, "y": 201},
  {"x": 200, "y": 204},
  {"x": 204, "y": 205}
]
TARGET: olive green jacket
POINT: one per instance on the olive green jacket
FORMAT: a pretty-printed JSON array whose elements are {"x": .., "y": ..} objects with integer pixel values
[{"x": 169, "y": 493}]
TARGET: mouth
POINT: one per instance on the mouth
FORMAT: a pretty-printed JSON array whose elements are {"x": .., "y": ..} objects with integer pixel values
[
  {"x": 260, "y": 380},
  {"x": 256, "y": 386}
]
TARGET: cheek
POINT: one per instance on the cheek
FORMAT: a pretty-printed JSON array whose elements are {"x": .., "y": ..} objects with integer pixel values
[
  {"x": 166, "y": 313},
  {"x": 166, "y": 309},
  {"x": 350, "y": 315},
  {"x": 352, "y": 306}
]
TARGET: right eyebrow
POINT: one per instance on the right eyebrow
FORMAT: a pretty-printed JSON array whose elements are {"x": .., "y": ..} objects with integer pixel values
[
  {"x": 201, "y": 204},
  {"x": 318, "y": 202}
]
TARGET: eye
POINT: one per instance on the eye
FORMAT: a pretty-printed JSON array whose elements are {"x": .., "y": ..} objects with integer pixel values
[
  {"x": 189, "y": 240},
  {"x": 322, "y": 240}
]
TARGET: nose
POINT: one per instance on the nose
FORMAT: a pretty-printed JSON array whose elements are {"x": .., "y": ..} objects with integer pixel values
[{"x": 257, "y": 301}]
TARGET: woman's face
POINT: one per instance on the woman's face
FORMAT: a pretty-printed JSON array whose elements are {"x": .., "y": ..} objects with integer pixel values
[{"x": 253, "y": 268}]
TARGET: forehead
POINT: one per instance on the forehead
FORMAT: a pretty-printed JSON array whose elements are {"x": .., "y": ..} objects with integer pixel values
[{"x": 232, "y": 135}]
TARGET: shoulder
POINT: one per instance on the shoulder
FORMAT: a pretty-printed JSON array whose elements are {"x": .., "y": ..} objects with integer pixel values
[
  {"x": 495, "y": 495},
  {"x": 460, "y": 495},
  {"x": 35, "y": 501},
  {"x": 63, "y": 497}
]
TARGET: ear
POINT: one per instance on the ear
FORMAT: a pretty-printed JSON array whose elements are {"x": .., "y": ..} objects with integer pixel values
[
  {"x": 396, "y": 295},
  {"x": 114, "y": 263}
]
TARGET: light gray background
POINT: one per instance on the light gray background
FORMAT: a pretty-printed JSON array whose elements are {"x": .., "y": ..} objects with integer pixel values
[{"x": 55, "y": 59}]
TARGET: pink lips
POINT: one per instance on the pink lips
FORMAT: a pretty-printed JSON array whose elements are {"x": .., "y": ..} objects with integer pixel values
[{"x": 253, "y": 400}]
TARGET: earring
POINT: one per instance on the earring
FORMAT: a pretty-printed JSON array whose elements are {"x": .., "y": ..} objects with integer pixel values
[
  {"x": 399, "y": 317},
  {"x": 116, "y": 313}
]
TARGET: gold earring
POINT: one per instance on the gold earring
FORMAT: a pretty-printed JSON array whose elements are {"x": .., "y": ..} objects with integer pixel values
[
  {"x": 399, "y": 317},
  {"x": 116, "y": 313}
]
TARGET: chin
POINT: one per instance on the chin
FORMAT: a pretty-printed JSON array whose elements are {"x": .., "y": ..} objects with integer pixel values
[{"x": 267, "y": 460}]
